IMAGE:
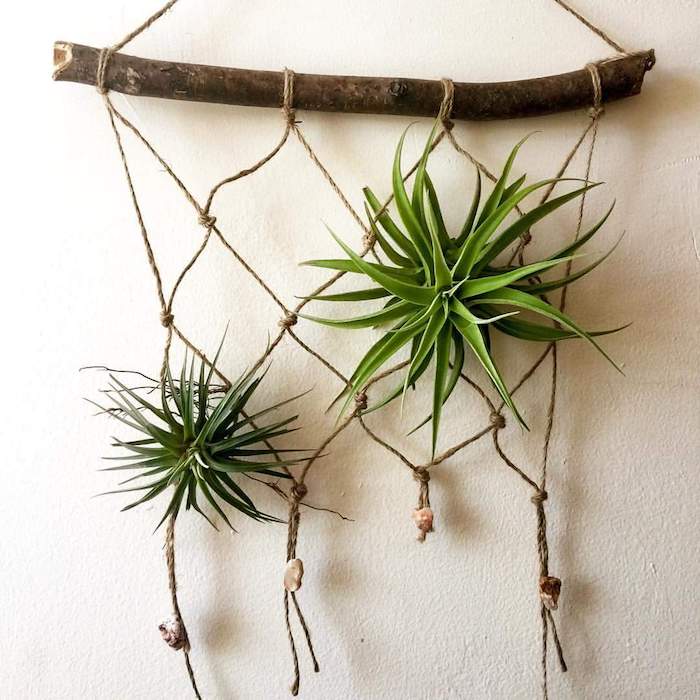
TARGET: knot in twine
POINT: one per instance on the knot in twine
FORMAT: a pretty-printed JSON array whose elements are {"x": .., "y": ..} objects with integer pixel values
[
  {"x": 421, "y": 474},
  {"x": 360, "y": 402},
  {"x": 166, "y": 319},
  {"x": 291, "y": 319},
  {"x": 540, "y": 497},
  {"x": 597, "y": 109},
  {"x": 298, "y": 491},
  {"x": 288, "y": 97},
  {"x": 447, "y": 104},
  {"x": 206, "y": 219},
  {"x": 423, "y": 516},
  {"x": 497, "y": 420},
  {"x": 368, "y": 240},
  {"x": 526, "y": 238}
]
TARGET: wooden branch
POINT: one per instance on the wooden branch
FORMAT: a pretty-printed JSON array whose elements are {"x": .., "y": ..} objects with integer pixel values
[{"x": 620, "y": 77}]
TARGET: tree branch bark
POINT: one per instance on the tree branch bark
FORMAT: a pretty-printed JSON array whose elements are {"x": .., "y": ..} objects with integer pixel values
[{"x": 620, "y": 77}]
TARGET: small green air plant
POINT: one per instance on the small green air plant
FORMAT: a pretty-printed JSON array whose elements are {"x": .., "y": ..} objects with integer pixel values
[
  {"x": 198, "y": 441},
  {"x": 444, "y": 293}
]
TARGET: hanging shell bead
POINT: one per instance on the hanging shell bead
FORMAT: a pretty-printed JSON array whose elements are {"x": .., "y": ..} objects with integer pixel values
[
  {"x": 423, "y": 518},
  {"x": 173, "y": 633},
  {"x": 550, "y": 588},
  {"x": 293, "y": 574}
]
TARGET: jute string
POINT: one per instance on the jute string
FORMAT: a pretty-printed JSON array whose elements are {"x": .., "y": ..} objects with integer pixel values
[{"x": 289, "y": 319}]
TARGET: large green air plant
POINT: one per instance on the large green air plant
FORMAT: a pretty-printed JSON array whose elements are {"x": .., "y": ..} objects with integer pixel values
[
  {"x": 198, "y": 441},
  {"x": 444, "y": 293}
]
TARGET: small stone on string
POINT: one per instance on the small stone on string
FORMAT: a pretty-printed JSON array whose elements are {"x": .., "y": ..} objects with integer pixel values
[
  {"x": 173, "y": 633},
  {"x": 550, "y": 589},
  {"x": 293, "y": 575}
]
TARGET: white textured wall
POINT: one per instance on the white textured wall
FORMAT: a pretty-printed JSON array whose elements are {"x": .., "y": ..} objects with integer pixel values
[{"x": 82, "y": 586}]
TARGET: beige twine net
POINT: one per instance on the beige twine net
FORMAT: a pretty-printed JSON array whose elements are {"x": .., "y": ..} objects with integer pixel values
[{"x": 548, "y": 586}]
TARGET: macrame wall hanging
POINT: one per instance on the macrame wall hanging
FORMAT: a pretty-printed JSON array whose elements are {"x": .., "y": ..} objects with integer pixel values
[{"x": 443, "y": 295}]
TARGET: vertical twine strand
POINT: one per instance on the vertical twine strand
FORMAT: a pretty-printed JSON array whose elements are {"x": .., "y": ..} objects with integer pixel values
[{"x": 546, "y": 617}]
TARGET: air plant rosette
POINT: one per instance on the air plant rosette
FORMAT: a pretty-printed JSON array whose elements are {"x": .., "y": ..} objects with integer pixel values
[
  {"x": 445, "y": 294},
  {"x": 198, "y": 443}
]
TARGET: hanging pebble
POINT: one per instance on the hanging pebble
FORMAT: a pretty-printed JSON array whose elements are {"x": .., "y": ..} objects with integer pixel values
[
  {"x": 173, "y": 633},
  {"x": 550, "y": 588},
  {"x": 423, "y": 518},
  {"x": 293, "y": 573}
]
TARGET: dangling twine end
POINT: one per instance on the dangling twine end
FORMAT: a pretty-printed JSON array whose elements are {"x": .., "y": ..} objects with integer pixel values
[{"x": 294, "y": 687}]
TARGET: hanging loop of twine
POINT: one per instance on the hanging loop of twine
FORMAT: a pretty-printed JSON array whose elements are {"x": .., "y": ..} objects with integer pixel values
[
  {"x": 447, "y": 104},
  {"x": 288, "y": 97}
]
